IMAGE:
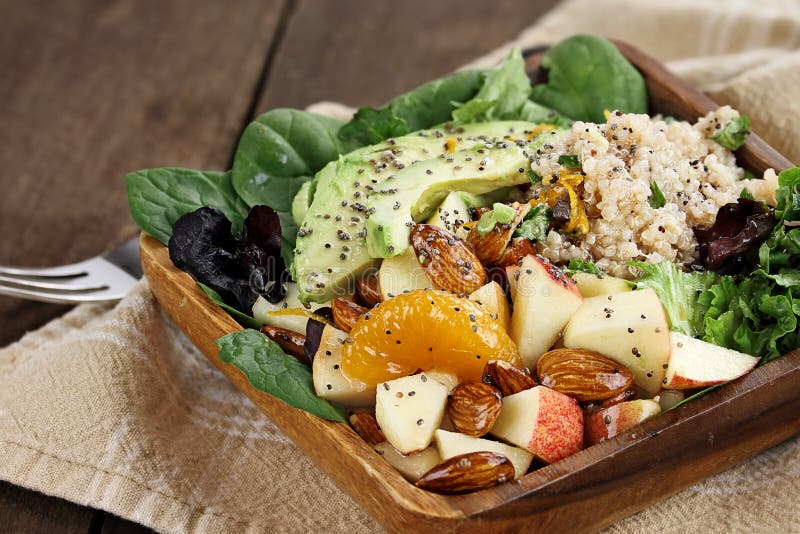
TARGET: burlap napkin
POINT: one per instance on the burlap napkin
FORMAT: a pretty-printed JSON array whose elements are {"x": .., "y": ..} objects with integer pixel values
[{"x": 114, "y": 409}]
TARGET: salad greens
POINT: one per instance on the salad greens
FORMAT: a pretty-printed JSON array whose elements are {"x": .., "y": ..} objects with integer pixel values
[
  {"x": 281, "y": 151},
  {"x": 734, "y": 134},
  {"x": 536, "y": 224},
  {"x": 657, "y": 198},
  {"x": 241, "y": 318},
  {"x": 570, "y": 161},
  {"x": 678, "y": 292},
  {"x": 278, "y": 152},
  {"x": 577, "y": 265},
  {"x": 755, "y": 314},
  {"x": 159, "y": 197},
  {"x": 427, "y": 105},
  {"x": 270, "y": 370},
  {"x": 501, "y": 93},
  {"x": 587, "y": 75}
]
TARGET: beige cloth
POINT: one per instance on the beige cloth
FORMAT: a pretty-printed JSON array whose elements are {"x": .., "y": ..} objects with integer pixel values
[{"x": 114, "y": 409}]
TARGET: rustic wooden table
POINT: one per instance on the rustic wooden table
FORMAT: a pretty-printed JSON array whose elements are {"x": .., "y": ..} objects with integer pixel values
[{"x": 93, "y": 89}]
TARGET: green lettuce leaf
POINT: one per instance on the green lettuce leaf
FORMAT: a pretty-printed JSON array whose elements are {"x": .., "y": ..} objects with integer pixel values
[
  {"x": 159, "y": 197},
  {"x": 272, "y": 371},
  {"x": 678, "y": 292},
  {"x": 587, "y": 75},
  {"x": 788, "y": 195},
  {"x": 734, "y": 134}
]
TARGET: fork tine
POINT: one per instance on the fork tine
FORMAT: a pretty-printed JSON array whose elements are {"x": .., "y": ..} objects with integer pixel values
[
  {"x": 61, "y": 298},
  {"x": 53, "y": 283},
  {"x": 63, "y": 271}
]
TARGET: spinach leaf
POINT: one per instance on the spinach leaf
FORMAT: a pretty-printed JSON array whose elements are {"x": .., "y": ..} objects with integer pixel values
[
  {"x": 278, "y": 152},
  {"x": 272, "y": 371},
  {"x": 734, "y": 134},
  {"x": 537, "y": 113},
  {"x": 427, "y": 105},
  {"x": 588, "y": 75},
  {"x": 241, "y": 318},
  {"x": 535, "y": 224},
  {"x": 504, "y": 92},
  {"x": 657, "y": 198},
  {"x": 159, "y": 197}
]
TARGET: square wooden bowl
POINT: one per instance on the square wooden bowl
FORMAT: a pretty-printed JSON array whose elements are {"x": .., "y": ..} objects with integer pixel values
[{"x": 587, "y": 491}]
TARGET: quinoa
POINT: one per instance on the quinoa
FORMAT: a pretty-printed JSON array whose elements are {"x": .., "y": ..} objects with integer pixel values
[{"x": 620, "y": 159}]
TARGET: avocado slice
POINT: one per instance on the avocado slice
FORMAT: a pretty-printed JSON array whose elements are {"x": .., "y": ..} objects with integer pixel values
[
  {"x": 453, "y": 212},
  {"x": 331, "y": 249},
  {"x": 423, "y": 185}
]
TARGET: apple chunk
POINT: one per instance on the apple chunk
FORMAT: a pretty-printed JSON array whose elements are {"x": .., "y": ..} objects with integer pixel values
[
  {"x": 630, "y": 328},
  {"x": 592, "y": 285},
  {"x": 329, "y": 381},
  {"x": 411, "y": 466},
  {"x": 616, "y": 419},
  {"x": 695, "y": 363},
  {"x": 402, "y": 273},
  {"x": 547, "y": 423},
  {"x": 409, "y": 409},
  {"x": 452, "y": 444},
  {"x": 544, "y": 302},
  {"x": 493, "y": 298}
]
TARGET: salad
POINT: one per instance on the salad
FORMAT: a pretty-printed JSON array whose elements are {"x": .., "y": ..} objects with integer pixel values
[{"x": 483, "y": 277}]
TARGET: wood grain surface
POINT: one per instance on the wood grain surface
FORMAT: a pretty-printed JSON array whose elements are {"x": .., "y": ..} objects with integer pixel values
[{"x": 93, "y": 89}]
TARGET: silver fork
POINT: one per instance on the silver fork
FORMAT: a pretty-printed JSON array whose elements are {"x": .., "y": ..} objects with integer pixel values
[{"x": 104, "y": 278}]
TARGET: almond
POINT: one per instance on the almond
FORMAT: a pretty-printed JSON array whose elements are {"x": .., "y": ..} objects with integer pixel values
[
  {"x": 473, "y": 408},
  {"x": 627, "y": 395},
  {"x": 516, "y": 250},
  {"x": 346, "y": 313},
  {"x": 367, "y": 427},
  {"x": 507, "y": 378},
  {"x": 490, "y": 247},
  {"x": 290, "y": 341},
  {"x": 448, "y": 262},
  {"x": 368, "y": 290},
  {"x": 468, "y": 472},
  {"x": 583, "y": 374}
]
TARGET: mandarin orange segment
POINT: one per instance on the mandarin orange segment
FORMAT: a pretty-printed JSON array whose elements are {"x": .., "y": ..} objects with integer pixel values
[{"x": 425, "y": 329}]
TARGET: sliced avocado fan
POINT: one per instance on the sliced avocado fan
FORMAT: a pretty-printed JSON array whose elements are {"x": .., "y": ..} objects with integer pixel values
[{"x": 353, "y": 220}]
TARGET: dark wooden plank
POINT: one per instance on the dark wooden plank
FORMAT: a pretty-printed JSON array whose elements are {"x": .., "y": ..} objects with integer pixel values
[
  {"x": 90, "y": 91},
  {"x": 116, "y": 525},
  {"x": 363, "y": 53},
  {"x": 25, "y": 511},
  {"x": 93, "y": 89}
]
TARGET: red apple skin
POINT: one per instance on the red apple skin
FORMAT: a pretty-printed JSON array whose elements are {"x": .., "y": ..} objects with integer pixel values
[
  {"x": 559, "y": 429},
  {"x": 606, "y": 424},
  {"x": 557, "y": 275},
  {"x": 679, "y": 382}
]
